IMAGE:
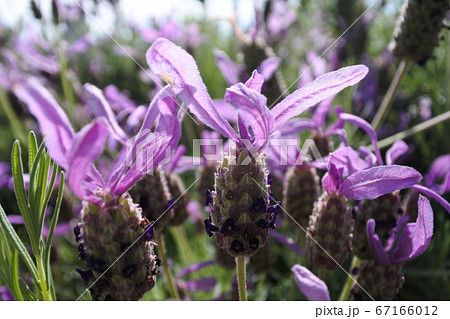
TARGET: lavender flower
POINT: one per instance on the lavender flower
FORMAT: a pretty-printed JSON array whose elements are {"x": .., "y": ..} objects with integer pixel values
[
  {"x": 382, "y": 277},
  {"x": 111, "y": 222},
  {"x": 242, "y": 212}
]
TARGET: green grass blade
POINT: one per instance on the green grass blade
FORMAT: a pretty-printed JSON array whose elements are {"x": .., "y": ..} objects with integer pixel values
[{"x": 15, "y": 240}]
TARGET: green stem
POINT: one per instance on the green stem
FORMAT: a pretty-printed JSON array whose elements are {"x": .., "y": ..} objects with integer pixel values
[
  {"x": 42, "y": 279},
  {"x": 14, "y": 121},
  {"x": 350, "y": 280},
  {"x": 390, "y": 94},
  {"x": 179, "y": 235},
  {"x": 162, "y": 252},
  {"x": 242, "y": 284},
  {"x": 415, "y": 129}
]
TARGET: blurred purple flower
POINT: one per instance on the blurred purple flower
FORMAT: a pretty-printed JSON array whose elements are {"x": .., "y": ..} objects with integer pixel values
[{"x": 5, "y": 294}]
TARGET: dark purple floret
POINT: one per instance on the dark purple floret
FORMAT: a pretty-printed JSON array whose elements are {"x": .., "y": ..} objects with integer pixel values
[
  {"x": 209, "y": 227},
  {"x": 274, "y": 208},
  {"x": 258, "y": 206},
  {"x": 81, "y": 251},
  {"x": 77, "y": 232},
  {"x": 269, "y": 179},
  {"x": 271, "y": 222},
  {"x": 237, "y": 246},
  {"x": 209, "y": 198},
  {"x": 149, "y": 234},
  {"x": 86, "y": 275},
  {"x": 229, "y": 227},
  {"x": 253, "y": 243},
  {"x": 169, "y": 204}
]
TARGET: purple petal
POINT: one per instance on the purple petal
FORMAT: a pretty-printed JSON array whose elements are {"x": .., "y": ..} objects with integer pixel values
[
  {"x": 333, "y": 179},
  {"x": 87, "y": 146},
  {"x": 349, "y": 160},
  {"x": 202, "y": 284},
  {"x": 255, "y": 82},
  {"x": 297, "y": 125},
  {"x": 53, "y": 121},
  {"x": 398, "y": 149},
  {"x": 288, "y": 242},
  {"x": 376, "y": 181},
  {"x": 311, "y": 286},
  {"x": 230, "y": 70},
  {"x": 252, "y": 111},
  {"x": 227, "y": 110},
  {"x": 429, "y": 192},
  {"x": 416, "y": 237},
  {"x": 375, "y": 244},
  {"x": 323, "y": 87},
  {"x": 99, "y": 106},
  {"x": 366, "y": 127},
  {"x": 180, "y": 70},
  {"x": 195, "y": 267},
  {"x": 268, "y": 67},
  {"x": 440, "y": 168}
]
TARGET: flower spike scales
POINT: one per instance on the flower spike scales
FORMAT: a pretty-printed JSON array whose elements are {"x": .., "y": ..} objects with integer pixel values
[
  {"x": 242, "y": 210},
  {"x": 115, "y": 240}
]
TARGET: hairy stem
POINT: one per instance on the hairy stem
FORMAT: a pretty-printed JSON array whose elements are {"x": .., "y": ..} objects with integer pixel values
[
  {"x": 242, "y": 284},
  {"x": 390, "y": 94}
]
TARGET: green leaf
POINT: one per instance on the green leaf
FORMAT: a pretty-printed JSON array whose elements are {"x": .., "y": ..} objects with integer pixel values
[
  {"x": 53, "y": 223},
  {"x": 19, "y": 190},
  {"x": 17, "y": 293},
  {"x": 26, "y": 291},
  {"x": 33, "y": 198},
  {"x": 15, "y": 240},
  {"x": 32, "y": 148}
]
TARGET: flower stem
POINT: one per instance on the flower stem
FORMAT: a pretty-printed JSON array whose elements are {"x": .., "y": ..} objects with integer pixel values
[
  {"x": 350, "y": 279},
  {"x": 43, "y": 279},
  {"x": 162, "y": 252},
  {"x": 242, "y": 284},
  {"x": 415, "y": 129},
  {"x": 390, "y": 94}
]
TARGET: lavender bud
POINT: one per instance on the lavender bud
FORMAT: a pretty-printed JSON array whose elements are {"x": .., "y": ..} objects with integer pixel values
[
  {"x": 418, "y": 27},
  {"x": 301, "y": 189},
  {"x": 381, "y": 282},
  {"x": 107, "y": 231},
  {"x": 330, "y": 226},
  {"x": 384, "y": 210},
  {"x": 242, "y": 211},
  {"x": 153, "y": 196}
]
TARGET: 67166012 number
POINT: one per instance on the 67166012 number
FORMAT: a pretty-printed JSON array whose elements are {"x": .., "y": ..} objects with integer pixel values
[{"x": 406, "y": 310}]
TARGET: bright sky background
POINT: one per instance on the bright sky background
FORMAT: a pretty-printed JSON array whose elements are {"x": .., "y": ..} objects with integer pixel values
[{"x": 141, "y": 11}]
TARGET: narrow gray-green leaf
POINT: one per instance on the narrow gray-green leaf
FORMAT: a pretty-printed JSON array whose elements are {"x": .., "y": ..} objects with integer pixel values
[
  {"x": 26, "y": 291},
  {"x": 15, "y": 240},
  {"x": 19, "y": 190},
  {"x": 32, "y": 148}
]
